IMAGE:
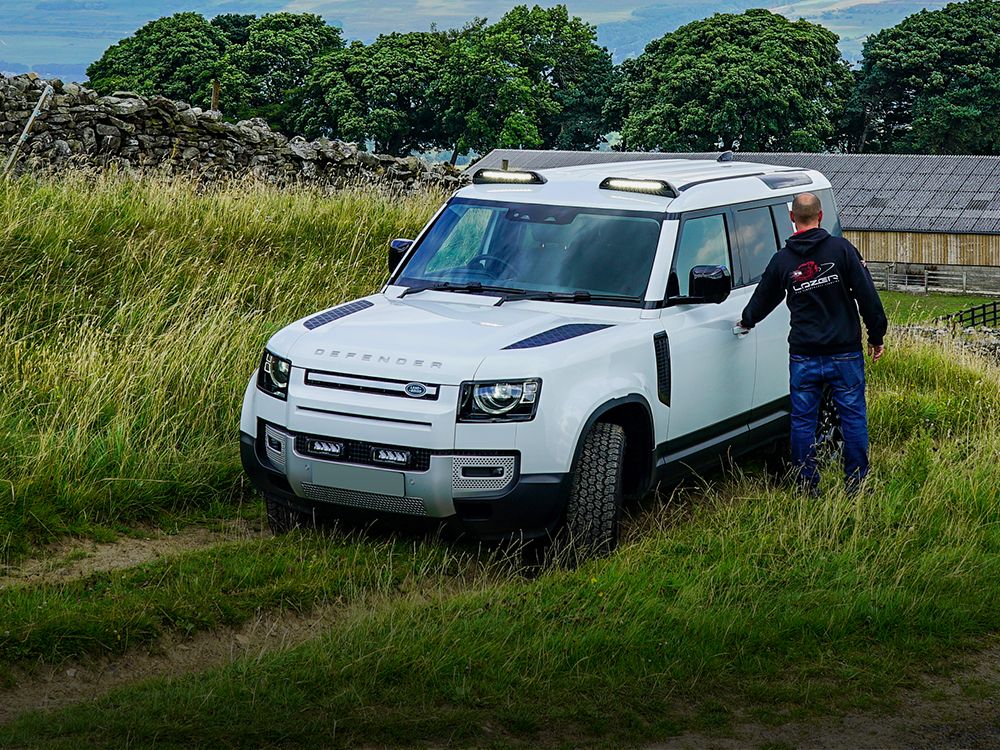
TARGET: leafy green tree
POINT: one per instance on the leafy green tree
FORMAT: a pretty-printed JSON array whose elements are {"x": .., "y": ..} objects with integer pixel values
[
  {"x": 537, "y": 78},
  {"x": 235, "y": 26},
  {"x": 332, "y": 102},
  {"x": 266, "y": 76},
  {"x": 487, "y": 98},
  {"x": 177, "y": 56},
  {"x": 571, "y": 76},
  {"x": 932, "y": 83},
  {"x": 770, "y": 83},
  {"x": 384, "y": 92}
]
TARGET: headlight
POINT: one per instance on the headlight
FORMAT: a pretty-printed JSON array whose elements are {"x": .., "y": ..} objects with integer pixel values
[
  {"x": 272, "y": 378},
  {"x": 499, "y": 401}
]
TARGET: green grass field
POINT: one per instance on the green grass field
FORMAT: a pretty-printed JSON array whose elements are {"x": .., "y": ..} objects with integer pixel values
[{"x": 133, "y": 315}]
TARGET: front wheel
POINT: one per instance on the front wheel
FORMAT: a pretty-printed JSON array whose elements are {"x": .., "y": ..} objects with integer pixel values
[{"x": 594, "y": 509}]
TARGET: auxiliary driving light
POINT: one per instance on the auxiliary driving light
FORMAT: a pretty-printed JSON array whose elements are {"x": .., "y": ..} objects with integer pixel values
[
  {"x": 650, "y": 187},
  {"x": 510, "y": 176},
  {"x": 325, "y": 448},
  {"x": 390, "y": 456}
]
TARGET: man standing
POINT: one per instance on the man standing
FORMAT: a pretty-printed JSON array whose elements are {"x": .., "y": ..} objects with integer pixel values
[{"x": 825, "y": 283}]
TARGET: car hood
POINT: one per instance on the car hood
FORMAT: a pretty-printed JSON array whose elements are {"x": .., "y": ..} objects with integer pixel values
[{"x": 431, "y": 336}]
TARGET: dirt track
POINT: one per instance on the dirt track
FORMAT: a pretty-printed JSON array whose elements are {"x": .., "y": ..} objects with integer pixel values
[{"x": 73, "y": 559}]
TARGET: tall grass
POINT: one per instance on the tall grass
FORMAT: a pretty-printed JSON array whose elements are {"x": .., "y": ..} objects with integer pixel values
[{"x": 134, "y": 311}]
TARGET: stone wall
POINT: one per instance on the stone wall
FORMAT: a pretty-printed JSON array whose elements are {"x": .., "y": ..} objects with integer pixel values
[{"x": 78, "y": 128}]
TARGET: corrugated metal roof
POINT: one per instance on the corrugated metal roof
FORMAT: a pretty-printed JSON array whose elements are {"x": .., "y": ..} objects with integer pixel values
[{"x": 879, "y": 192}]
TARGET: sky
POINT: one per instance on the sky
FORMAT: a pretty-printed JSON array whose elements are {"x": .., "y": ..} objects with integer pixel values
[{"x": 61, "y": 37}]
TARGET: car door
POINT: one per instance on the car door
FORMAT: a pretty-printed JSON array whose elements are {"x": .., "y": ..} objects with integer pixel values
[
  {"x": 760, "y": 231},
  {"x": 711, "y": 369}
]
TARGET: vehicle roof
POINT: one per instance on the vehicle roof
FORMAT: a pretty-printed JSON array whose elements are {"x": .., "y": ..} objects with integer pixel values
[{"x": 700, "y": 183}]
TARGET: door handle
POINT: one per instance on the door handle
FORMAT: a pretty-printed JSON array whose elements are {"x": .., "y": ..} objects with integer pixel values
[{"x": 739, "y": 331}]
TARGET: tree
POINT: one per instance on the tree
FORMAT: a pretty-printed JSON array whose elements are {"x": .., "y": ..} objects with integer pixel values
[
  {"x": 932, "y": 83},
  {"x": 770, "y": 83},
  {"x": 266, "y": 76},
  {"x": 234, "y": 26},
  {"x": 537, "y": 78},
  {"x": 177, "y": 56},
  {"x": 383, "y": 92},
  {"x": 570, "y": 74}
]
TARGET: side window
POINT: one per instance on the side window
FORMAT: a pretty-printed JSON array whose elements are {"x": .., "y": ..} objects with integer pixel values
[
  {"x": 703, "y": 242},
  {"x": 783, "y": 221},
  {"x": 831, "y": 219},
  {"x": 758, "y": 241},
  {"x": 465, "y": 241}
]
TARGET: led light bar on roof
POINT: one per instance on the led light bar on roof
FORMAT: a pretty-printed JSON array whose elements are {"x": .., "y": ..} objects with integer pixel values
[
  {"x": 509, "y": 176},
  {"x": 649, "y": 187}
]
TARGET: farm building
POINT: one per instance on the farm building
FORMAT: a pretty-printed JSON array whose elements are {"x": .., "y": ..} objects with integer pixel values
[{"x": 925, "y": 221}]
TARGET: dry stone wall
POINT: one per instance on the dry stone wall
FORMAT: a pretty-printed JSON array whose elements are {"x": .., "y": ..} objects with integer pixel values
[{"x": 78, "y": 128}]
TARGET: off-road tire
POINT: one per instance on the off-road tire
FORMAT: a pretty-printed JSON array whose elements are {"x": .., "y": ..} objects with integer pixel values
[
  {"x": 282, "y": 519},
  {"x": 594, "y": 509},
  {"x": 829, "y": 441},
  {"x": 829, "y": 436}
]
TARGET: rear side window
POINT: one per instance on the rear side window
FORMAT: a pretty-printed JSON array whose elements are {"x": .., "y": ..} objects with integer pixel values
[
  {"x": 703, "y": 242},
  {"x": 757, "y": 239},
  {"x": 831, "y": 218},
  {"x": 783, "y": 221}
]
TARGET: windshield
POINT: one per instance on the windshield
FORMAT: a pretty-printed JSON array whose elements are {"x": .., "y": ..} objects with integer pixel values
[{"x": 537, "y": 248}]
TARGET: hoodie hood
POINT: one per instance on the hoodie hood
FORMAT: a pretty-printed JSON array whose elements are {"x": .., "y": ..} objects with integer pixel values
[{"x": 805, "y": 243}]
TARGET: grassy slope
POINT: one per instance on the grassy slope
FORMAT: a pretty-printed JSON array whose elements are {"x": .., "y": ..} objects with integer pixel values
[
  {"x": 133, "y": 315},
  {"x": 908, "y": 307},
  {"x": 756, "y": 595}
]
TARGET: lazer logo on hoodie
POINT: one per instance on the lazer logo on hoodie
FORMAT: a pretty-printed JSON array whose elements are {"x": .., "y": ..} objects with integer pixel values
[{"x": 811, "y": 275}]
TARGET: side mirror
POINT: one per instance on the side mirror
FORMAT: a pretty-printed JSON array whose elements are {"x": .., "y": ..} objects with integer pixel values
[
  {"x": 710, "y": 283},
  {"x": 397, "y": 249}
]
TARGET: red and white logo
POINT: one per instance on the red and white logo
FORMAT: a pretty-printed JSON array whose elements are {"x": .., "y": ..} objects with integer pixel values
[{"x": 806, "y": 271}]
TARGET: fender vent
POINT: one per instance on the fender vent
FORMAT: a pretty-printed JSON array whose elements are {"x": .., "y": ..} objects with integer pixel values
[
  {"x": 562, "y": 333},
  {"x": 337, "y": 313},
  {"x": 661, "y": 345}
]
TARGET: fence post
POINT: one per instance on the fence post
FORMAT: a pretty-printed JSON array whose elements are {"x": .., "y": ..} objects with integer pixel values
[
  {"x": 888, "y": 288},
  {"x": 925, "y": 281},
  {"x": 965, "y": 279}
]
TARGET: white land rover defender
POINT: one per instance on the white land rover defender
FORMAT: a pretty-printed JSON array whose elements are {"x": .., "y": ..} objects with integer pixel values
[{"x": 550, "y": 342}]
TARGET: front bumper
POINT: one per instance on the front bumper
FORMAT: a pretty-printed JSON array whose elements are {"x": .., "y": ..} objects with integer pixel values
[{"x": 488, "y": 507}]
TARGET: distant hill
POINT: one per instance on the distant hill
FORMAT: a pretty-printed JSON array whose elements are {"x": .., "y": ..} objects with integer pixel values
[
  {"x": 65, "y": 71},
  {"x": 852, "y": 21}
]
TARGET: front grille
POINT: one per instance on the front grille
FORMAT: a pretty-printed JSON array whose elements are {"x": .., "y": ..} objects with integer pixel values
[
  {"x": 413, "y": 506},
  {"x": 415, "y": 390},
  {"x": 359, "y": 452}
]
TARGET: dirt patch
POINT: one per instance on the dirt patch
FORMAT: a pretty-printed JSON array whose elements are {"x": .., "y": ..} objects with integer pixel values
[
  {"x": 50, "y": 687},
  {"x": 72, "y": 559},
  {"x": 959, "y": 712}
]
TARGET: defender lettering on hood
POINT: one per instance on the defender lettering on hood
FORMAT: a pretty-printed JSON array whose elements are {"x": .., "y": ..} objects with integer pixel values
[{"x": 379, "y": 359}]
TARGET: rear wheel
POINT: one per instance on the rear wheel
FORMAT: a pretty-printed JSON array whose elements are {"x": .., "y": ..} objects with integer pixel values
[
  {"x": 829, "y": 440},
  {"x": 829, "y": 436},
  {"x": 281, "y": 518},
  {"x": 594, "y": 509}
]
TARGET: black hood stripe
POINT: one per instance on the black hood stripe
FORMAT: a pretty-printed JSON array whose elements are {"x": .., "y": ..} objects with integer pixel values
[
  {"x": 337, "y": 313},
  {"x": 555, "y": 335}
]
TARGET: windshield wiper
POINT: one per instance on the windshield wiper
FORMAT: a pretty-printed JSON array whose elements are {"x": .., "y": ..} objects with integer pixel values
[
  {"x": 471, "y": 288},
  {"x": 578, "y": 296}
]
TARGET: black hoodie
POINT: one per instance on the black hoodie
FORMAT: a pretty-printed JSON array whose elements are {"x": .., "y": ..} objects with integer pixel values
[{"x": 825, "y": 283}]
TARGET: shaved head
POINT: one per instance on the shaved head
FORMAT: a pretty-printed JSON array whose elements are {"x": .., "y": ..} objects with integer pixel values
[{"x": 806, "y": 210}]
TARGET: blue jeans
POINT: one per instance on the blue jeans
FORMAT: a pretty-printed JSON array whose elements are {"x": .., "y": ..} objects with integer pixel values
[{"x": 845, "y": 373}]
